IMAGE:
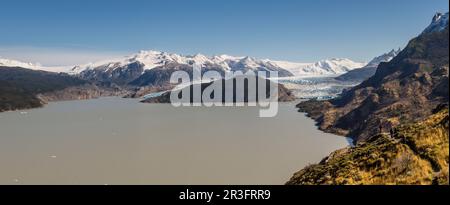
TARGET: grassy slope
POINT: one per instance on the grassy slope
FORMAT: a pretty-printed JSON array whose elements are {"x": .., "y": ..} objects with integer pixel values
[{"x": 416, "y": 153}]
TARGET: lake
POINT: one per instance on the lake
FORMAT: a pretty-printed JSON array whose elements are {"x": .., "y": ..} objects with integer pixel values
[{"x": 121, "y": 141}]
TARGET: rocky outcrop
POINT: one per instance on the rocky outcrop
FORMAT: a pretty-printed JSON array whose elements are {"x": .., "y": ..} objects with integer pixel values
[{"x": 358, "y": 75}]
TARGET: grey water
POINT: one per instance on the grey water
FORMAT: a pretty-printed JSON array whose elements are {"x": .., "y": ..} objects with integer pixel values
[{"x": 121, "y": 141}]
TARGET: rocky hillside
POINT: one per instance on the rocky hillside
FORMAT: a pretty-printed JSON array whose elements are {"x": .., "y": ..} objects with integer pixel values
[
  {"x": 412, "y": 154},
  {"x": 361, "y": 74},
  {"x": 404, "y": 90},
  {"x": 22, "y": 88}
]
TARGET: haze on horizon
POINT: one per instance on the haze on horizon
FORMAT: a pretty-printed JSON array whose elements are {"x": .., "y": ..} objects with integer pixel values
[{"x": 66, "y": 33}]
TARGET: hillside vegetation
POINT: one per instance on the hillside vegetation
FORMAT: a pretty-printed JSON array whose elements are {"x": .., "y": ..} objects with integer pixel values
[{"x": 416, "y": 153}]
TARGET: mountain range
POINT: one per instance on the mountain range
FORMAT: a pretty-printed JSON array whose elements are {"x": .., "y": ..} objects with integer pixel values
[
  {"x": 156, "y": 59},
  {"x": 129, "y": 68}
]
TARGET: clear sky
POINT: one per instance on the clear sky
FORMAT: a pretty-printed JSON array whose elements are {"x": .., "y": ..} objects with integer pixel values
[{"x": 73, "y": 31}]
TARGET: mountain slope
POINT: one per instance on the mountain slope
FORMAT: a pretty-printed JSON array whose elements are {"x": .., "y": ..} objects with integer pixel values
[
  {"x": 361, "y": 74},
  {"x": 403, "y": 90},
  {"x": 19, "y": 87},
  {"x": 22, "y": 88}
]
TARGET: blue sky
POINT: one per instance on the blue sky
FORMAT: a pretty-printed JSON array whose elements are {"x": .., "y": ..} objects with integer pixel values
[{"x": 73, "y": 31}]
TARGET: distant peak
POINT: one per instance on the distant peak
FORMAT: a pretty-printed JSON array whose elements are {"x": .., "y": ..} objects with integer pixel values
[{"x": 438, "y": 23}]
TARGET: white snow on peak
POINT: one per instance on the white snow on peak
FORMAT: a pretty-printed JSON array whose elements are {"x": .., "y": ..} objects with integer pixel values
[
  {"x": 439, "y": 23},
  {"x": 152, "y": 59}
]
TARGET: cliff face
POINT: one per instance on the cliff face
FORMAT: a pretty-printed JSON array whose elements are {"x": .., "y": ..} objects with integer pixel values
[
  {"x": 412, "y": 154},
  {"x": 404, "y": 90}
]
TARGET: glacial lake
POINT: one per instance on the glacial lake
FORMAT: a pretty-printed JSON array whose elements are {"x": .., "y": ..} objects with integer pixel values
[{"x": 121, "y": 141}]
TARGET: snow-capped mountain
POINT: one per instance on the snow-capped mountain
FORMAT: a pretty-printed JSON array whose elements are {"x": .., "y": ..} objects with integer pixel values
[
  {"x": 154, "y": 68},
  {"x": 325, "y": 67},
  {"x": 154, "y": 59},
  {"x": 439, "y": 23}
]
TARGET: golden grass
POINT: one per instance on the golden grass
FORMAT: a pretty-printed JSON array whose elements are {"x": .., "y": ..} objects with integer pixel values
[{"x": 416, "y": 154}]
